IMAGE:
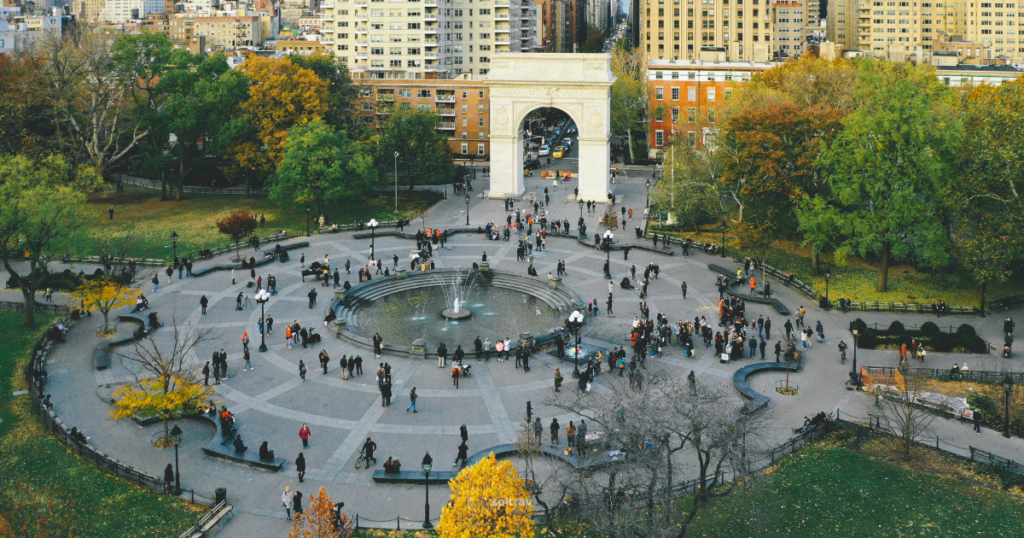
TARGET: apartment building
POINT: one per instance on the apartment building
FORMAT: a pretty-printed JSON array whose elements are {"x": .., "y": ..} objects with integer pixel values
[
  {"x": 743, "y": 29},
  {"x": 899, "y": 29},
  {"x": 428, "y": 38},
  {"x": 119, "y": 11},
  {"x": 462, "y": 106},
  {"x": 688, "y": 96}
]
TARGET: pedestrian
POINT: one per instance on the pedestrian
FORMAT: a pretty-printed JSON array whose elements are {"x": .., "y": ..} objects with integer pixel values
[
  {"x": 206, "y": 374},
  {"x": 297, "y": 503},
  {"x": 385, "y": 392},
  {"x": 768, "y": 328},
  {"x": 789, "y": 328},
  {"x": 558, "y": 379},
  {"x": 232, "y": 277},
  {"x": 683, "y": 287},
  {"x": 300, "y": 466},
  {"x": 286, "y": 500},
  {"x": 570, "y": 435},
  {"x": 464, "y": 433},
  {"x": 343, "y": 364},
  {"x": 538, "y": 431},
  {"x": 763, "y": 345},
  {"x": 203, "y": 301},
  {"x": 778, "y": 350},
  {"x": 302, "y": 370},
  {"x": 248, "y": 365},
  {"x": 977, "y": 421},
  {"x": 554, "y": 431},
  {"x": 368, "y": 449},
  {"x": 463, "y": 455},
  {"x": 412, "y": 400},
  {"x": 305, "y": 434},
  {"x": 456, "y": 372}
]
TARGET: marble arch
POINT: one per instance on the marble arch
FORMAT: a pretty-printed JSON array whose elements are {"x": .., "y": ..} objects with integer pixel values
[{"x": 578, "y": 84}]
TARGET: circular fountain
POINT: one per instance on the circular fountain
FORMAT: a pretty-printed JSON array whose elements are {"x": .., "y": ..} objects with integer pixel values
[{"x": 453, "y": 306}]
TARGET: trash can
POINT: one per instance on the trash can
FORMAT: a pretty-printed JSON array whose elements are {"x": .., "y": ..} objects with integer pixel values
[
  {"x": 220, "y": 495},
  {"x": 823, "y": 303}
]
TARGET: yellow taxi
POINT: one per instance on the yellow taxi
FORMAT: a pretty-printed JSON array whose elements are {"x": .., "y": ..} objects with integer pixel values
[{"x": 559, "y": 151}]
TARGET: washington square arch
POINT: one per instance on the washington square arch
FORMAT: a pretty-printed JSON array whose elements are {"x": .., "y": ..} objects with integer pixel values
[{"x": 579, "y": 85}]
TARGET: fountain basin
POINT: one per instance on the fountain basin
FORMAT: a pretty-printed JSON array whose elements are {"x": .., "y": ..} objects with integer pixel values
[{"x": 451, "y": 315}]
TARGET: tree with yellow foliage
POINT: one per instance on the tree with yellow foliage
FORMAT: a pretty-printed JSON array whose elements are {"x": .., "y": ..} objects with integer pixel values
[
  {"x": 281, "y": 95},
  {"x": 321, "y": 519},
  {"x": 488, "y": 499},
  {"x": 103, "y": 294},
  {"x": 167, "y": 381}
]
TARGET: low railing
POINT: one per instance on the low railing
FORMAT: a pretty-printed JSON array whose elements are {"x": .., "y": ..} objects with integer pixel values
[
  {"x": 979, "y": 455},
  {"x": 40, "y": 307},
  {"x": 980, "y": 376}
]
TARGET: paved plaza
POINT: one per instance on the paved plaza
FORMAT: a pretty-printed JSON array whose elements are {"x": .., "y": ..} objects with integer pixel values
[{"x": 271, "y": 402}]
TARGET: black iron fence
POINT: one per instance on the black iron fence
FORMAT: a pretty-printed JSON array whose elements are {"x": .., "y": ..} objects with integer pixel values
[{"x": 40, "y": 307}]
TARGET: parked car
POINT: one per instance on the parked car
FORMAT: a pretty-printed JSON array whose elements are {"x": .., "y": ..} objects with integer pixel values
[
  {"x": 531, "y": 164},
  {"x": 544, "y": 151}
]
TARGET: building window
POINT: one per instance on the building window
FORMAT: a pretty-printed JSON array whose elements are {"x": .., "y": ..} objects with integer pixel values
[
  {"x": 691, "y": 93},
  {"x": 691, "y": 138},
  {"x": 691, "y": 114},
  {"x": 659, "y": 138},
  {"x": 711, "y": 95},
  {"x": 480, "y": 122},
  {"x": 404, "y": 92},
  {"x": 659, "y": 93},
  {"x": 675, "y": 93},
  {"x": 479, "y": 149},
  {"x": 465, "y": 147},
  {"x": 423, "y": 93},
  {"x": 659, "y": 114}
]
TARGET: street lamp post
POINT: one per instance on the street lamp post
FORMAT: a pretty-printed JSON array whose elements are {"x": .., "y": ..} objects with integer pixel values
[
  {"x": 854, "y": 374},
  {"x": 648, "y": 194},
  {"x": 724, "y": 222},
  {"x": 467, "y": 209},
  {"x": 174, "y": 243},
  {"x": 574, "y": 323},
  {"x": 396, "y": 182},
  {"x": 307, "y": 219},
  {"x": 262, "y": 296},
  {"x": 176, "y": 436},
  {"x": 373, "y": 231},
  {"x": 427, "y": 461},
  {"x": 581, "y": 209},
  {"x": 607, "y": 245},
  {"x": 828, "y": 276},
  {"x": 1008, "y": 387}
]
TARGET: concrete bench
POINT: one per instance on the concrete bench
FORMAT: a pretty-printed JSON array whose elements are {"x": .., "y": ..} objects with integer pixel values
[
  {"x": 739, "y": 380},
  {"x": 774, "y": 303},
  {"x": 102, "y": 357},
  {"x": 413, "y": 477},
  {"x": 250, "y": 457},
  {"x": 142, "y": 321}
]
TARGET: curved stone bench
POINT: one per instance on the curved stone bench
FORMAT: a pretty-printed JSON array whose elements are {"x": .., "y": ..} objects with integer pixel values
[
  {"x": 259, "y": 263},
  {"x": 250, "y": 457},
  {"x": 413, "y": 477},
  {"x": 757, "y": 400},
  {"x": 102, "y": 354},
  {"x": 775, "y": 303}
]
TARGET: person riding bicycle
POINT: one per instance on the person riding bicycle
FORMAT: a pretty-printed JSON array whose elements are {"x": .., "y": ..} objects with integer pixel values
[
  {"x": 842, "y": 350},
  {"x": 368, "y": 447}
]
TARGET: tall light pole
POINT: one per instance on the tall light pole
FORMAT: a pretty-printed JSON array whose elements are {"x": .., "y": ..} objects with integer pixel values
[
  {"x": 855, "y": 374},
  {"x": 581, "y": 209},
  {"x": 176, "y": 434},
  {"x": 307, "y": 219},
  {"x": 427, "y": 461},
  {"x": 467, "y": 209},
  {"x": 648, "y": 194},
  {"x": 373, "y": 231},
  {"x": 828, "y": 276},
  {"x": 174, "y": 243},
  {"x": 396, "y": 182},
  {"x": 574, "y": 323},
  {"x": 262, "y": 296},
  {"x": 1008, "y": 387},
  {"x": 607, "y": 245}
]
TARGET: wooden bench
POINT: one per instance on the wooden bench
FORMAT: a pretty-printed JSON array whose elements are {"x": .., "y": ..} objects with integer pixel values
[
  {"x": 211, "y": 519},
  {"x": 250, "y": 457}
]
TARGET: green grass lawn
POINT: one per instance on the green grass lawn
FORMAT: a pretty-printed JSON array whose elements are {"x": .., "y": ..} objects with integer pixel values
[
  {"x": 141, "y": 214},
  {"x": 833, "y": 491},
  {"x": 45, "y": 488},
  {"x": 857, "y": 280}
]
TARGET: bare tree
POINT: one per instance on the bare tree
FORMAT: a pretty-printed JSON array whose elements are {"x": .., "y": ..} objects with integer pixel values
[
  {"x": 902, "y": 412},
  {"x": 91, "y": 108},
  {"x": 167, "y": 381},
  {"x": 654, "y": 432}
]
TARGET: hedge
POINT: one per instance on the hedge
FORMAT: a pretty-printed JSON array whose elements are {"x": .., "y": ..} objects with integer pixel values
[{"x": 929, "y": 335}]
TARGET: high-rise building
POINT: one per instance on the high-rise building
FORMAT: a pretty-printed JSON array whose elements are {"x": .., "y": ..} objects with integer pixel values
[
  {"x": 899, "y": 30},
  {"x": 426, "y": 39},
  {"x": 736, "y": 30}
]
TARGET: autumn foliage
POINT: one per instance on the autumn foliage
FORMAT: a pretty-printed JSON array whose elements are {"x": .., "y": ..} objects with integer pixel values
[
  {"x": 488, "y": 499},
  {"x": 103, "y": 294},
  {"x": 318, "y": 521},
  {"x": 238, "y": 224}
]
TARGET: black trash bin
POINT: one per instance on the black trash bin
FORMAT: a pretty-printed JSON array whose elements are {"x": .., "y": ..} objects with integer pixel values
[
  {"x": 823, "y": 303},
  {"x": 220, "y": 495}
]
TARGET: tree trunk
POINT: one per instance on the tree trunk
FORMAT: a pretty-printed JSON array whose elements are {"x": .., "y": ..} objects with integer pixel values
[
  {"x": 163, "y": 186},
  {"x": 167, "y": 435},
  {"x": 629, "y": 140},
  {"x": 984, "y": 287},
  {"x": 106, "y": 323},
  {"x": 181, "y": 180},
  {"x": 883, "y": 268},
  {"x": 815, "y": 260},
  {"x": 30, "y": 305},
  {"x": 245, "y": 195}
]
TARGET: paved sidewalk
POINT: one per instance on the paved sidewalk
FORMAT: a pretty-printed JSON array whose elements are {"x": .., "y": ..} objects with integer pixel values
[{"x": 271, "y": 403}]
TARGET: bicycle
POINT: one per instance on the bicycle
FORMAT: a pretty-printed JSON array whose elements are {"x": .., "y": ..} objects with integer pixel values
[
  {"x": 842, "y": 356},
  {"x": 361, "y": 459}
]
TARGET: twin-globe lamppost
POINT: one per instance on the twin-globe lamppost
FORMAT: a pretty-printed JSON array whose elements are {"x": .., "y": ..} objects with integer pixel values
[
  {"x": 467, "y": 208},
  {"x": 176, "y": 434},
  {"x": 262, "y": 296},
  {"x": 174, "y": 243},
  {"x": 372, "y": 225},
  {"x": 574, "y": 323},
  {"x": 308, "y": 209}
]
